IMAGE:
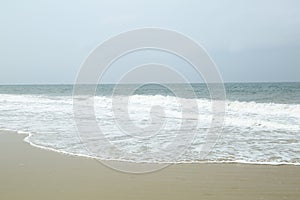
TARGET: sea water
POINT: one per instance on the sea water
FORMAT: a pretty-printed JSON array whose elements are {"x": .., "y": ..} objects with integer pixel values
[{"x": 261, "y": 124}]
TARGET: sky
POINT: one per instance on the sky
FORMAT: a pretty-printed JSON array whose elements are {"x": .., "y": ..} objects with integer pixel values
[{"x": 45, "y": 42}]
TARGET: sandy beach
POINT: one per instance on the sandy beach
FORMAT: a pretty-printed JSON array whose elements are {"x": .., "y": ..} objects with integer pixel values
[{"x": 31, "y": 173}]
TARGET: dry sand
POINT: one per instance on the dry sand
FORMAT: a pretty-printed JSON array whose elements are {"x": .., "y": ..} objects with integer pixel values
[{"x": 31, "y": 173}]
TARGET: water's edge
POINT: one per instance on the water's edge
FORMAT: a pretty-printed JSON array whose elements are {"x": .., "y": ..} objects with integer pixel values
[{"x": 27, "y": 140}]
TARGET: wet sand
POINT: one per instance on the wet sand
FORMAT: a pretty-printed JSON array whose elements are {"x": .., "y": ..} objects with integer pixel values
[{"x": 31, "y": 173}]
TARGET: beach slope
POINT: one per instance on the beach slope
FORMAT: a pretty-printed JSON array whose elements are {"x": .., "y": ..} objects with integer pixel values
[{"x": 31, "y": 173}]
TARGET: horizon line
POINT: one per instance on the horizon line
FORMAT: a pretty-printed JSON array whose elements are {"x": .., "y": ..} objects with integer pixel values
[{"x": 107, "y": 83}]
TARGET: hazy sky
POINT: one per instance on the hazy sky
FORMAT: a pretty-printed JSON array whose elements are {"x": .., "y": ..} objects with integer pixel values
[{"x": 46, "y": 41}]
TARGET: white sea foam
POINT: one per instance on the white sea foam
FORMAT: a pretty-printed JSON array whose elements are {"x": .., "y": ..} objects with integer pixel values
[{"x": 261, "y": 133}]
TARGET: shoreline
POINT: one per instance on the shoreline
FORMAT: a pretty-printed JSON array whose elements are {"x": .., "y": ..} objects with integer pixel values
[
  {"x": 28, "y": 135},
  {"x": 33, "y": 173}
]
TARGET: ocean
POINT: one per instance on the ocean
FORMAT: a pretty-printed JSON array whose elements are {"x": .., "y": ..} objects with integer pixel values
[{"x": 262, "y": 121}]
